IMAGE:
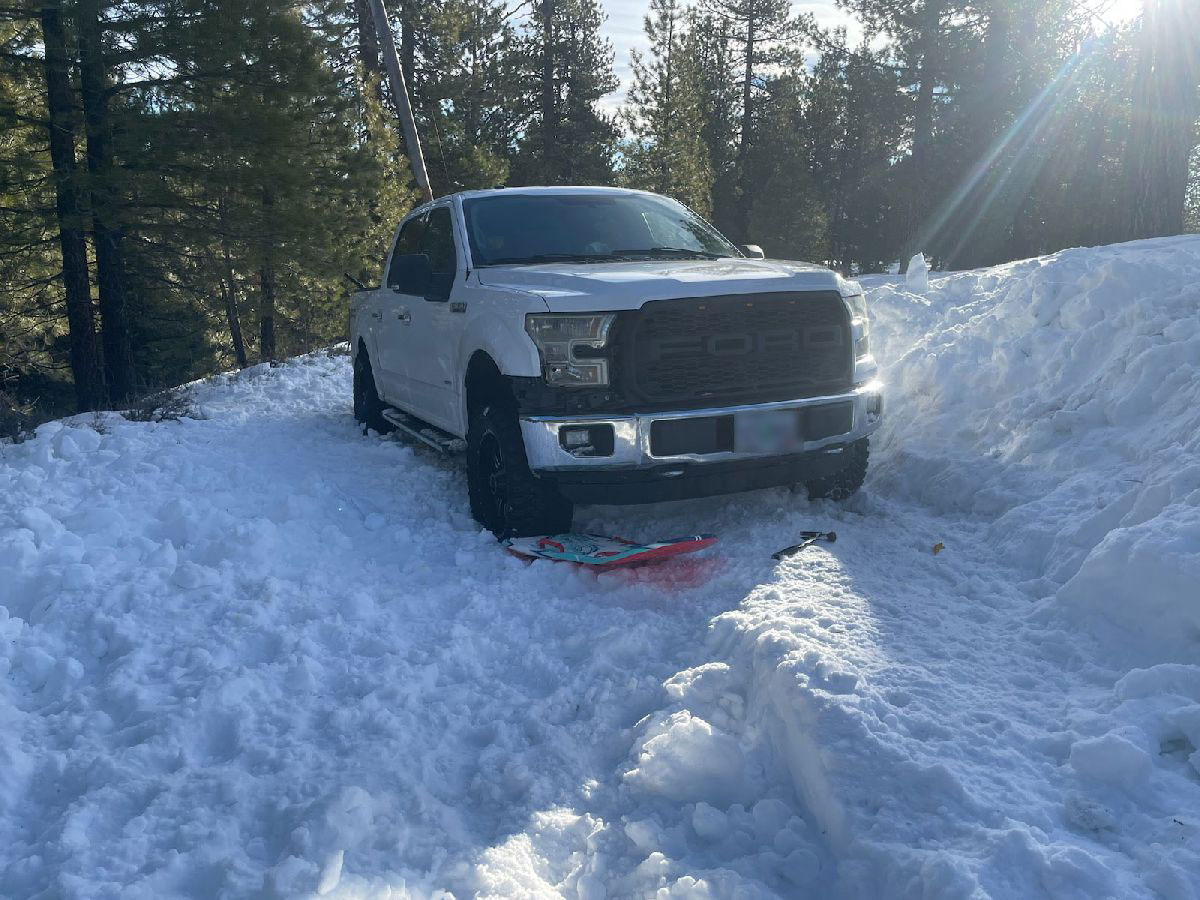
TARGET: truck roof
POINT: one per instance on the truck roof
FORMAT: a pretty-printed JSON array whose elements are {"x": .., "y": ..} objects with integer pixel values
[{"x": 543, "y": 189}]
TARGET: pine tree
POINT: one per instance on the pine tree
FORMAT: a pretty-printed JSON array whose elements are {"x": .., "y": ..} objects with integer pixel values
[
  {"x": 35, "y": 342},
  {"x": 666, "y": 152},
  {"x": 467, "y": 79},
  {"x": 762, "y": 36},
  {"x": 785, "y": 214},
  {"x": 107, "y": 198},
  {"x": 569, "y": 140},
  {"x": 1162, "y": 131},
  {"x": 710, "y": 67},
  {"x": 70, "y": 208},
  {"x": 854, "y": 110}
]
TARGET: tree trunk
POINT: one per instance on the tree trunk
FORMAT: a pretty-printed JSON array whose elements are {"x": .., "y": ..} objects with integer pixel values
[
  {"x": 918, "y": 205},
  {"x": 549, "y": 95},
  {"x": 85, "y": 364},
  {"x": 229, "y": 293},
  {"x": 266, "y": 313},
  {"x": 266, "y": 289},
  {"x": 743, "y": 217},
  {"x": 370, "y": 63},
  {"x": 229, "y": 296},
  {"x": 666, "y": 160},
  {"x": 1163, "y": 126},
  {"x": 106, "y": 229},
  {"x": 991, "y": 97},
  {"x": 368, "y": 41},
  {"x": 977, "y": 241}
]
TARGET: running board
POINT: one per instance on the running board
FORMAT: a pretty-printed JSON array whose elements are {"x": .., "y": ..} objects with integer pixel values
[{"x": 427, "y": 434}]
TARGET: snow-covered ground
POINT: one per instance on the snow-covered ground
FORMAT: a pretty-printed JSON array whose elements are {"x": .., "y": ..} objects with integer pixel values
[{"x": 259, "y": 654}]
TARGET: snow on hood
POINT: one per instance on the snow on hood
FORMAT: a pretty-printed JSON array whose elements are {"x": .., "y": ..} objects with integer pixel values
[{"x": 569, "y": 287}]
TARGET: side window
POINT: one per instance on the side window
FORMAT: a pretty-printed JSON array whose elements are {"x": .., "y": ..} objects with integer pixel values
[
  {"x": 438, "y": 243},
  {"x": 408, "y": 241}
]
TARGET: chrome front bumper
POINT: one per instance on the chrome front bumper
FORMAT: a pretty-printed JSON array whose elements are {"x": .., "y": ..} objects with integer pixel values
[{"x": 632, "y": 433}]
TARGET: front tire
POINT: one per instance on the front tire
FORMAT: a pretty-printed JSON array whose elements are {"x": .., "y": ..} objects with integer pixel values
[
  {"x": 368, "y": 408},
  {"x": 506, "y": 497},
  {"x": 846, "y": 481}
]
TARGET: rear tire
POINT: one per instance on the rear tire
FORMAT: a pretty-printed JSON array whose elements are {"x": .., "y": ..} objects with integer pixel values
[
  {"x": 506, "y": 497},
  {"x": 847, "y": 480},
  {"x": 368, "y": 408}
]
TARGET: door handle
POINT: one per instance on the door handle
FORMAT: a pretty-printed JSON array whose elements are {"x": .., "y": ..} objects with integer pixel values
[
  {"x": 376, "y": 315},
  {"x": 404, "y": 316}
]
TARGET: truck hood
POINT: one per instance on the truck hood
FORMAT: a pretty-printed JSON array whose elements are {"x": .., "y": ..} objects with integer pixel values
[{"x": 584, "y": 287}]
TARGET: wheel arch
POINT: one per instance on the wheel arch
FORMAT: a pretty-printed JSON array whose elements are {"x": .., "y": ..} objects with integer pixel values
[{"x": 483, "y": 382}]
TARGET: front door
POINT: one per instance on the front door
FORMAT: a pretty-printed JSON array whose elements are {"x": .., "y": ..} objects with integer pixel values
[{"x": 437, "y": 326}]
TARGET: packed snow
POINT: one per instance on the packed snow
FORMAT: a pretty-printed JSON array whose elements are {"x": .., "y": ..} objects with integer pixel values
[{"x": 256, "y": 653}]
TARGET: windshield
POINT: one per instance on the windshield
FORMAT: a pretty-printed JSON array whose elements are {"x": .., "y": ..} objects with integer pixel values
[{"x": 515, "y": 229}]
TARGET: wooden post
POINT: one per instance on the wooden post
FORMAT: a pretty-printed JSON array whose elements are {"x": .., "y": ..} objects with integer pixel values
[{"x": 387, "y": 46}]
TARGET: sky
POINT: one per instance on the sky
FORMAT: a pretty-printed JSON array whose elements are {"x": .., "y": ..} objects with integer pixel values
[{"x": 624, "y": 29}]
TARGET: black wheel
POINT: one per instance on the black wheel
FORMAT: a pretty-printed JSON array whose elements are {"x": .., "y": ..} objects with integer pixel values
[
  {"x": 368, "y": 408},
  {"x": 506, "y": 497},
  {"x": 844, "y": 482}
]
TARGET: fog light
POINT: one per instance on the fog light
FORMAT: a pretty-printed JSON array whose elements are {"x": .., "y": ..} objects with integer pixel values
[
  {"x": 873, "y": 407},
  {"x": 587, "y": 440},
  {"x": 575, "y": 437}
]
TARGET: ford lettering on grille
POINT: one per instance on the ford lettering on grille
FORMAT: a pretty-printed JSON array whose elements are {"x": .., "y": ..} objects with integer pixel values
[{"x": 767, "y": 345}]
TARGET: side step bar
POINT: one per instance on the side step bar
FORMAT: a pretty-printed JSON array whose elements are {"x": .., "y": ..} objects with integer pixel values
[{"x": 429, "y": 435}]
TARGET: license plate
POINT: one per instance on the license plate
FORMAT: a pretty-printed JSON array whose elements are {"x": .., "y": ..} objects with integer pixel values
[{"x": 766, "y": 431}]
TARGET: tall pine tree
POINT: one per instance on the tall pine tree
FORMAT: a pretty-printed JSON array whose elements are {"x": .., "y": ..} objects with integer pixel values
[
  {"x": 666, "y": 152},
  {"x": 569, "y": 140}
]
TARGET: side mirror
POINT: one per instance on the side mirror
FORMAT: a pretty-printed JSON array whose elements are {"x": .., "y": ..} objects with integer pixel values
[
  {"x": 410, "y": 274},
  {"x": 753, "y": 251}
]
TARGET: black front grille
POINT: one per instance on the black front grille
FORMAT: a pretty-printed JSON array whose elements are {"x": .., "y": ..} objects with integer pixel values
[{"x": 744, "y": 348}]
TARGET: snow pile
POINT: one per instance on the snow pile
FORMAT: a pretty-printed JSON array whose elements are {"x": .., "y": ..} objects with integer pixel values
[
  {"x": 1060, "y": 398},
  {"x": 259, "y": 654},
  {"x": 916, "y": 278}
]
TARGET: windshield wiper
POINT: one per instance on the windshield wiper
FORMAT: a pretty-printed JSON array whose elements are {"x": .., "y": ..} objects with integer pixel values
[
  {"x": 550, "y": 257},
  {"x": 673, "y": 252}
]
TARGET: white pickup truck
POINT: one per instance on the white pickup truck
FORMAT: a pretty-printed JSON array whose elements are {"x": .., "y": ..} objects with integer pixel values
[{"x": 608, "y": 346}]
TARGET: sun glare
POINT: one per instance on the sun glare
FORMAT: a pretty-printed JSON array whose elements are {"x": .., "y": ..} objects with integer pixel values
[{"x": 1116, "y": 12}]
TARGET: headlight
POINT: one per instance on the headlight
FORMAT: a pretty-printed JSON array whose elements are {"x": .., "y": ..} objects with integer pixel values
[
  {"x": 572, "y": 347},
  {"x": 860, "y": 326}
]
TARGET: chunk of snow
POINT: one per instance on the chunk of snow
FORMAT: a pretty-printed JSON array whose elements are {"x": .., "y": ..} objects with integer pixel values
[
  {"x": 1114, "y": 758},
  {"x": 685, "y": 758},
  {"x": 916, "y": 277}
]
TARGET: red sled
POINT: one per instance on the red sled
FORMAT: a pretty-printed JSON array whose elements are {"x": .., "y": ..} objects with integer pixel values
[{"x": 602, "y": 552}]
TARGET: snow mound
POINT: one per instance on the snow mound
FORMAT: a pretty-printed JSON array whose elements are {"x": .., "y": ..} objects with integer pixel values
[
  {"x": 1059, "y": 398},
  {"x": 258, "y": 653}
]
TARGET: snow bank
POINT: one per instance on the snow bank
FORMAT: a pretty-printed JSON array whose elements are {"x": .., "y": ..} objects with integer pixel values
[
  {"x": 947, "y": 725},
  {"x": 264, "y": 655},
  {"x": 1059, "y": 398}
]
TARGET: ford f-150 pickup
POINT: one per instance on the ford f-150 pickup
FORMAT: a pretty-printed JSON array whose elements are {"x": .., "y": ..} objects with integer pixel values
[{"x": 609, "y": 346}]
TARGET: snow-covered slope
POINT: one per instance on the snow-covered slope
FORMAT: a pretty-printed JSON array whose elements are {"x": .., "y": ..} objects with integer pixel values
[
  {"x": 1060, "y": 398},
  {"x": 259, "y": 654}
]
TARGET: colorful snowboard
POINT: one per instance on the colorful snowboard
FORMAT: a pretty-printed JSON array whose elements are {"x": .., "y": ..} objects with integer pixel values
[{"x": 603, "y": 552}]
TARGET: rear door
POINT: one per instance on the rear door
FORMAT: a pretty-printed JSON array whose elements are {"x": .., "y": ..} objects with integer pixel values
[
  {"x": 437, "y": 325},
  {"x": 393, "y": 318}
]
